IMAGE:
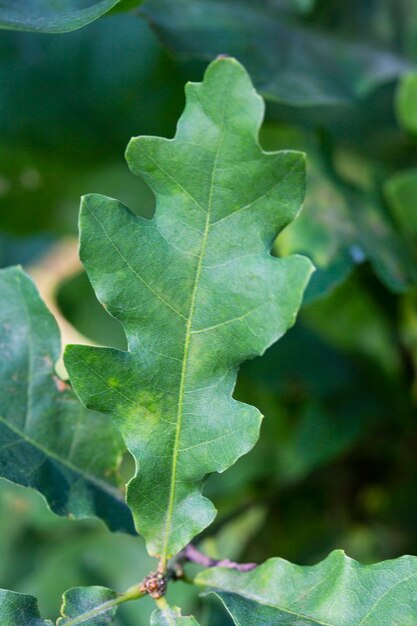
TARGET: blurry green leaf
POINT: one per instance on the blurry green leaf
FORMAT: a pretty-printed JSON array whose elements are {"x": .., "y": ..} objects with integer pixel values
[
  {"x": 318, "y": 437},
  {"x": 382, "y": 244},
  {"x": 324, "y": 232},
  {"x": 386, "y": 23},
  {"x": 342, "y": 227},
  {"x": 46, "y": 435},
  {"x": 23, "y": 250},
  {"x": 344, "y": 222},
  {"x": 289, "y": 63},
  {"x": 125, "y": 5},
  {"x": 197, "y": 293},
  {"x": 17, "y": 609},
  {"x": 91, "y": 74},
  {"x": 171, "y": 616},
  {"x": 232, "y": 537},
  {"x": 48, "y": 16},
  {"x": 336, "y": 592},
  {"x": 406, "y": 102},
  {"x": 352, "y": 320},
  {"x": 318, "y": 400},
  {"x": 89, "y": 606}
]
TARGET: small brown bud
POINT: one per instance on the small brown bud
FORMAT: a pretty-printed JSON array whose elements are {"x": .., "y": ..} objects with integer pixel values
[{"x": 155, "y": 584}]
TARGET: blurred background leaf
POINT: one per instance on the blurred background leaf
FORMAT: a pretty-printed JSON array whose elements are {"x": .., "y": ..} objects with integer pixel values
[{"x": 47, "y": 16}]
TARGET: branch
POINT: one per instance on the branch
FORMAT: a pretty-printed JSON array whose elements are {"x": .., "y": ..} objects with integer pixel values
[{"x": 192, "y": 555}]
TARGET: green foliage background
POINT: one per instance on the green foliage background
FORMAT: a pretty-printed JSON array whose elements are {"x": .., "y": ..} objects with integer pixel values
[{"x": 335, "y": 465}]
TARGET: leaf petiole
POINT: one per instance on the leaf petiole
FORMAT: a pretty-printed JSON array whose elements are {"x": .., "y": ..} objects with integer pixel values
[{"x": 133, "y": 593}]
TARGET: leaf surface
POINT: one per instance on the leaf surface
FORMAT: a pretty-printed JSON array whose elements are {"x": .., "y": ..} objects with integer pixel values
[
  {"x": 18, "y": 609},
  {"x": 171, "y": 616},
  {"x": 48, "y": 16},
  {"x": 48, "y": 440},
  {"x": 197, "y": 292},
  {"x": 336, "y": 592},
  {"x": 89, "y": 606}
]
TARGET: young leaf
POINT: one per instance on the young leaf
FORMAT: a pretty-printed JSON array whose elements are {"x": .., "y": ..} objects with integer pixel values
[
  {"x": 171, "y": 616},
  {"x": 89, "y": 606},
  {"x": 49, "y": 16},
  {"x": 197, "y": 292},
  {"x": 48, "y": 440},
  {"x": 336, "y": 592},
  {"x": 18, "y": 609}
]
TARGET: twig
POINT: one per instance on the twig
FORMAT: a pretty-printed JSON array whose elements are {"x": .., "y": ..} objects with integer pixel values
[{"x": 192, "y": 555}]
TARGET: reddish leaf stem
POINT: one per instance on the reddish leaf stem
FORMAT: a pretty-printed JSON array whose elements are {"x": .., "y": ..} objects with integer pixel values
[{"x": 191, "y": 554}]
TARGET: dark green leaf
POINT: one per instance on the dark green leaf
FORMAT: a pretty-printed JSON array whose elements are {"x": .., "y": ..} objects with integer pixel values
[
  {"x": 336, "y": 592},
  {"x": 289, "y": 63},
  {"x": 48, "y": 440},
  {"x": 48, "y": 16},
  {"x": 197, "y": 292}
]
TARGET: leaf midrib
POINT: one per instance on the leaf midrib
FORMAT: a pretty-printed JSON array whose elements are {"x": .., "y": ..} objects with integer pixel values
[
  {"x": 252, "y": 597},
  {"x": 187, "y": 339},
  {"x": 101, "y": 608},
  {"x": 272, "y": 606}
]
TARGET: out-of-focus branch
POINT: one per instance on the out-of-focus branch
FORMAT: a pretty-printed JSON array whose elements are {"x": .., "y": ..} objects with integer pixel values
[{"x": 60, "y": 263}]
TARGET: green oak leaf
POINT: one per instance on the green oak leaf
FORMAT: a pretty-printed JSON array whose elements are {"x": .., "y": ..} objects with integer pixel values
[
  {"x": 18, "y": 609},
  {"x": 48, "y": 440},
  {"x": 290, "y": 63},
  {"x": 171, "y": 616},
  {"x": 86, "y": 606},
  {"x": 197, "y": 292},
  {"x": 49, "y": 16},
  {"x": 336, "y": 592},
  {"x": 89, "y": 606}
]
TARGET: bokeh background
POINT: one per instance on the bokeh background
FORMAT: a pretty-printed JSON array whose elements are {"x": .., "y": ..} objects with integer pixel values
[{"x": 336, "y": 464}]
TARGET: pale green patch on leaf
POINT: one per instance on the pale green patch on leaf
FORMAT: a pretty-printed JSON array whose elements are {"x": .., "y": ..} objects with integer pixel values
[
  {"x": 171, "y": 616},
  {"x": 48, "y": 440},
  {"x": 18, "y": 609},
  {"x": 336, "y": 592},
  {"x": 49, "y": 16},
  {"x": 197, "y": 292}
]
